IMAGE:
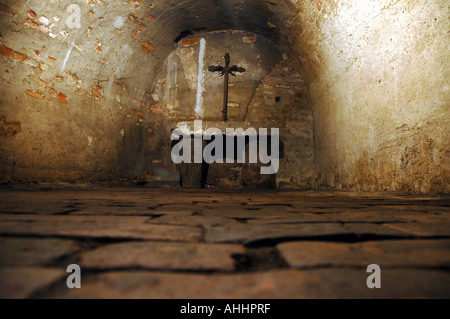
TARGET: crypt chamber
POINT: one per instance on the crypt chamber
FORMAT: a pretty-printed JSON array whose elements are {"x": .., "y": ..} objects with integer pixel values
[{"x": 92, "y": 92}]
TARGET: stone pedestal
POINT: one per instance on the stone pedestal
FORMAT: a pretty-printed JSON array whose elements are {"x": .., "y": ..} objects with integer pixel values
[{"x": 191, "y": 175}]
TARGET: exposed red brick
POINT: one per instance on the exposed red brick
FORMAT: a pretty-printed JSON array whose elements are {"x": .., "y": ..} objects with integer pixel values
[
  {"x": 169, "y": 167},
  {"x": 249, "y": 39},
  {"x": 148, "y": 45},
  {"x": 154, "y": 106},
  {"x": 6, "y": 11},
  {"x": 31, "y": 14},
  {"x": 62, "y": 98},
  {"x": 19, "y": 56},
  {"x": 133, "y": 18},
  {"x": 51, "y": 59},
  {"x": 43, "y": 29},
  {"x": 36, "y": 95},
  {"x": 151, "y": 17},
  {"x": 11, "y": 53},
  {"x": 134, "y": 34},
  {"x": 32, "y": 24},
  {"x": 187, "y": 51},
  {"x": 119, "y": 32},
  {"x": 52, "y": 93},
  {"x": 189, "y": 42},
  {"x": 91, "y": 13},
  {"x": 5, "y": 51},
  {"x": 97, "y": 91}
]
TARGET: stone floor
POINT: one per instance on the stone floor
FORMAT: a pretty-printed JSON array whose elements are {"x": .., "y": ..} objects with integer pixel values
[{"x": 171, "y": 243}]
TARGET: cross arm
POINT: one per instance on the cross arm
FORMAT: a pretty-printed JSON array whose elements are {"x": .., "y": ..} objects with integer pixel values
[
  {"x": 235, "y": 68},
  {"x": 214, "y": 68}
]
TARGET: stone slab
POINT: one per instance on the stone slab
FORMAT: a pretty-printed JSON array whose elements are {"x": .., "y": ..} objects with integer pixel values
[
  {"x": 186, "y": 220},
  {"x": 441, "y": 229},
  {"x": 95, "y": 227},
  {"x": 401, "y": 253},
  {"x": 278, "y": 284},
  {"x": 177, "y": 209},
  {"x": 247, "y": 211},
  {"x": 163, "y": 256},
  {"x": 251, "y": 233},
  {"x": 357, "y": 217},
  {"x": 115, "y": 211},
  {"x": 22, "y": 252},
  {"x": 19, "y": 283}
]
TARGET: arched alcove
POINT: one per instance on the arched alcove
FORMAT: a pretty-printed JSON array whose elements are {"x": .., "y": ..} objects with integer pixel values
[{"x": 177, "y": 88}]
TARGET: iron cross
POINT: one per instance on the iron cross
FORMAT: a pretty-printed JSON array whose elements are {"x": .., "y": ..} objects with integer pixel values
[{"x": 224, "y": 71}]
